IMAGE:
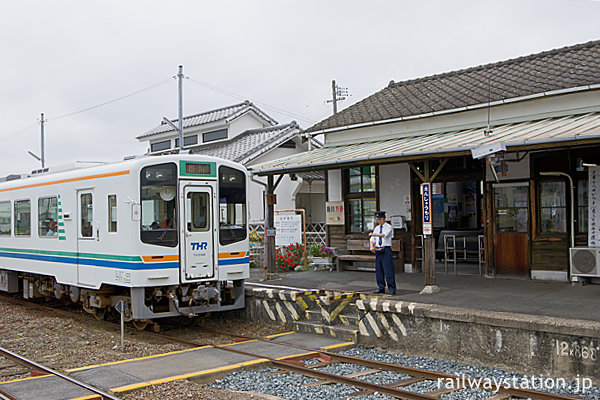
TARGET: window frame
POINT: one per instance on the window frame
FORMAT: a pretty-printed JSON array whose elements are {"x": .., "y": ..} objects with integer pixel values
[
  {"x": 109, "y": 213},
  {"x": 223, "y": 240},
  {"x": 39, "y": 217},
  {"x": 10, "y": 219},
  {"x": 162, "y": 142},
  {"x": 539, "y": 207},
  {"x": 147, "y": 236},
  {"x": 214, "y": 139},
  {"x": 15, "y": 218},
  {"x": 361, "y": 196}
]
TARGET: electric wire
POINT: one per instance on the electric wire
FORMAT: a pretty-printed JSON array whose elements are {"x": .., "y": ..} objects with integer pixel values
[
  {"x": 240, "y": 97},
  {"x": 90, "y": 108}
]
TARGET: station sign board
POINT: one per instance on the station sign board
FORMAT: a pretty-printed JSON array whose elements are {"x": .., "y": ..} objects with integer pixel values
[{"x": 427, "y": 216}]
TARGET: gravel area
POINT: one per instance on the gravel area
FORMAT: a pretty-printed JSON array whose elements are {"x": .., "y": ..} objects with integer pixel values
[
  {"x": 291, "y": 386},
  {"x": 62, "y": 342}
]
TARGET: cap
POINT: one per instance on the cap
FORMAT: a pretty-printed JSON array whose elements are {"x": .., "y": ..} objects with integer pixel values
[{"x": 380, "y": 214}]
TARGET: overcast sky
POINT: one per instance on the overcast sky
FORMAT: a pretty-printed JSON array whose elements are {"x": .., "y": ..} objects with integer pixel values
[{"x": 62, "y": 57}]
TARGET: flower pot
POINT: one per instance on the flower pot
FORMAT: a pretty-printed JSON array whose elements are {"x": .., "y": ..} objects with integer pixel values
[{"x": 322, "y": 260}]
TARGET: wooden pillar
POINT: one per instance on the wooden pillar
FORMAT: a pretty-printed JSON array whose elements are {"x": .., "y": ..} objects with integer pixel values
[
  {"x": 429, "y": 262},
  {"x": 270, "y": 223}
]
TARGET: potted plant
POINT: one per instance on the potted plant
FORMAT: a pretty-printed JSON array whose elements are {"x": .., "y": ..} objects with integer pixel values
[
  {"x": 320, "y": 254},
  {"x": 289, "y": 256}
]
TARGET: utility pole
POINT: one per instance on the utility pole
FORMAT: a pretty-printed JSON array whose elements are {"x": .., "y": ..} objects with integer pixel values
[
  {"x": 337, "y": 94},
  {"x": 180, "y": 85},
  {"x": 43, "y": 151}
]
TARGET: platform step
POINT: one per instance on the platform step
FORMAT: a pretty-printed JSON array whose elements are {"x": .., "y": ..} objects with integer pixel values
[
  {"x": 337, "y": 331},
  {"x": 321, "y": 317}
]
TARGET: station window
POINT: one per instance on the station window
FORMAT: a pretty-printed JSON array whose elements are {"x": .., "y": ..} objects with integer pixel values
[
  {"x": 23, "y": 218},
  {"x": 214, "y": 135},
  {"x": 87, "y": 215},
  {"x": 159, "y": 212},
  {"x": 553, "y": 208},
  {"x": 48, "y": 217},
  {"x": 5, "y": 221},
  {"x": 112, "y": 213},
  {"x": 232, "y": 205},
  {"x": 361, "y": 198}
]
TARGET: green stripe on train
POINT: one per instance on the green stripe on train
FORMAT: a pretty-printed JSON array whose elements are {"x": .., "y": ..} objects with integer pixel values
[{"x": 74, "y": 254}]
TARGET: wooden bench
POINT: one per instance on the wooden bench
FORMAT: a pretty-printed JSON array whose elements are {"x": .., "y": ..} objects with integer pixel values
[{"x": 358, "y": 251}]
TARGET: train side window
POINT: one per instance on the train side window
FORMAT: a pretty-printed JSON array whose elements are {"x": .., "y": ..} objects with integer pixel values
[
  {"x": 87, "y": 215},
  {"x": 48, "y": 217},
  {"x": 232, "y": 205},
  {"x": 5, "y": 220},
  {"x": 23, "y": 218},
  {"x": 112, "y": 213}
]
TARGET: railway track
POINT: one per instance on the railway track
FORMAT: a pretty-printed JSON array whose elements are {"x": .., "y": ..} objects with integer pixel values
[
  {"x": 40, "y": 369},
  {"x": 323, "y": 359}
]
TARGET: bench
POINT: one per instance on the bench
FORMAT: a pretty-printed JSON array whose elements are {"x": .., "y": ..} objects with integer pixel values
[{"x": 358, "y": 251}]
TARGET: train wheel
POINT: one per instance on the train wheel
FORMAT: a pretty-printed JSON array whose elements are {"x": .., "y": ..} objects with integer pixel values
[
  {"x": 98, "y": 313},
  {"x": 141, "y": 324}
]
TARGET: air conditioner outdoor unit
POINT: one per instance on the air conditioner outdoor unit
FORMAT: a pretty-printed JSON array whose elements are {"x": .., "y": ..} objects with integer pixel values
[{"x": 585, "y": 261}]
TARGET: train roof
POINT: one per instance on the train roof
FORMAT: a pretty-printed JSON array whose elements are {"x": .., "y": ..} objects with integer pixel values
[{"x": 78, "y": 169}]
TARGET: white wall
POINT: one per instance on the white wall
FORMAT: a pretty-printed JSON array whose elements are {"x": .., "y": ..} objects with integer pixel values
[
  {"x": 243, "y": 123},
  {"x": 394, "y": 185}
]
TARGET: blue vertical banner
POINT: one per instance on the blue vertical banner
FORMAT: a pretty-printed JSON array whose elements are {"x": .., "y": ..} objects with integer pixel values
[{"x": 427, "y": 216}]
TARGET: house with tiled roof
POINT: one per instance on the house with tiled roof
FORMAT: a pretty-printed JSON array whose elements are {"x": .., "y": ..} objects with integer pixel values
[
  {"x": 507, "y": 151},
  {"x": 242, "y": 133}
]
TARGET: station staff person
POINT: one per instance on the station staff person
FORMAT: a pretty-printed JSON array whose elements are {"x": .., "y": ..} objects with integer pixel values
[{"x": 381, "y": 245}]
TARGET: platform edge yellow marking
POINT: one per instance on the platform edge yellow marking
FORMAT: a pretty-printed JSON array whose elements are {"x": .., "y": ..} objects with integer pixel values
[
  {"x": 336, "y": 346},
  {"x": 280, "y": 334},
  {"x": 91, "y": 396},
  {"x": 26, "y": 379},
  {"x": 136, "y": 359}
]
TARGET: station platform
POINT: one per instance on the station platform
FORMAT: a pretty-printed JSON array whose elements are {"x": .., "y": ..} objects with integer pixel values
[
  {"x": 501, "y": 294},
  {"x": 207, "y": 361}
]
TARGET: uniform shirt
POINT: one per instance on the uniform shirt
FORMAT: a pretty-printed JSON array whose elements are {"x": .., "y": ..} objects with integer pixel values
[{"x": 388, "y": 231}]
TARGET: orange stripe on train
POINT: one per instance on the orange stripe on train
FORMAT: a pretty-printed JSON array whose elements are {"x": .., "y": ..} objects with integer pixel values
[
  {"x": 149, "y": 259},
  {"x": 81, "y": 178}
]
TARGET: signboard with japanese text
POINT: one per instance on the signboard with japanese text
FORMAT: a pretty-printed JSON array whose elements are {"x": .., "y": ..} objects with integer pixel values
[
  {"x": 289, "y": 229},
  {"x": 594, "y": 207},
  {"x": 427, "y": 215},
  {"x": 334, "y": 212}
]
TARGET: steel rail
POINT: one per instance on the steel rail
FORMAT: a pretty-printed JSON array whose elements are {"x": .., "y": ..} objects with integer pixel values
[{"x": 38, "y": 367}]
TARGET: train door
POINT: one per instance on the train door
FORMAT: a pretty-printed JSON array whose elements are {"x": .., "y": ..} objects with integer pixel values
[
  {"x": 198, "y": 232},
  {"x": 87, "y": 236},
  {"x": 511, "y": 208}
]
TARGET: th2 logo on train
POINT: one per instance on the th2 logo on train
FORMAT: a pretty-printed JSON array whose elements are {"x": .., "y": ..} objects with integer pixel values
[{"x": 199, "y": 246}]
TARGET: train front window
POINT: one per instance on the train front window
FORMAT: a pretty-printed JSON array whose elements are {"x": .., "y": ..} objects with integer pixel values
[
  {"x": 232, "y": 205},
  {"x": 159, "y": 210}
]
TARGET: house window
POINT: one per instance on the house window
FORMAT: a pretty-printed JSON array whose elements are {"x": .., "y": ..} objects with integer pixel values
[
  {"x": 361, "y": 198},
  {"x": 553, "y": 208},
  {"x": 214, "y": 135},
  {"x": 187, "y": 141},
  {"x": 582, "y": 206},
  {"x": 159, "y": 146},
  {"x": 22, "y": 218},
  {"x": 48, "y": 217}
]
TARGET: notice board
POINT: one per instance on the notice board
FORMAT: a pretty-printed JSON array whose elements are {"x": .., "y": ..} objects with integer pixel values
[{"x": 288, "y": 229}]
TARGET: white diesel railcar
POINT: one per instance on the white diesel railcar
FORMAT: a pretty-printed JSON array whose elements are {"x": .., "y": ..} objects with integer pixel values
[{"x": 167, "y": 235}]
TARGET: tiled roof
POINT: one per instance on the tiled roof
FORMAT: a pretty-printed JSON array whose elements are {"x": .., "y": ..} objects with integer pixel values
[
  {"x": 250, "y": 144},
  {"x": 567, "y": 67},
  {"x": 209, "y": 116}
]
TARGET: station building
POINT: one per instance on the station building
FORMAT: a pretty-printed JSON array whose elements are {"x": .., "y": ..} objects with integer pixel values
[
  {"x": 507, "y": 148},
  {"x": 245, "y": 134}
]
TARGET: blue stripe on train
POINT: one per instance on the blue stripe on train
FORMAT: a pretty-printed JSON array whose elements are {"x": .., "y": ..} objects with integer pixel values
[
  {"x": 232, "y": 261},
  {"x": 90, "y": 261}
]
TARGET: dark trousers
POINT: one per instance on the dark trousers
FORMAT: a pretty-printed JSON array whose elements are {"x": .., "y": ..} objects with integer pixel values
[{"x": 384, "y": 269}]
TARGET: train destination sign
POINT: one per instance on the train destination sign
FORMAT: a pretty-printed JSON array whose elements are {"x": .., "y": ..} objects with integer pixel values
[{"x": 191, "y": 168}]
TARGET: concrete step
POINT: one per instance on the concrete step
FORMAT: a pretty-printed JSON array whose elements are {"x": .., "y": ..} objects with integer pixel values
[{"x": 337, "y": 331}]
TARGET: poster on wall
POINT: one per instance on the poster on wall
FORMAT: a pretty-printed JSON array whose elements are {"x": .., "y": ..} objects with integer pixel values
[
  {"x": 334, "y": 213},
  {"x": 288, "y": 228},
  {"x": 594, "y": 207},
  {"x": 427, "y": 214}
]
